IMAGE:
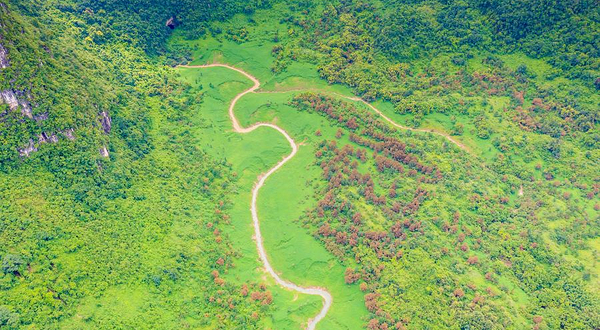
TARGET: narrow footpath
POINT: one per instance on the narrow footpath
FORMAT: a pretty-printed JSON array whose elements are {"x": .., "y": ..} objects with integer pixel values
[{"x": 327, "y": 299}]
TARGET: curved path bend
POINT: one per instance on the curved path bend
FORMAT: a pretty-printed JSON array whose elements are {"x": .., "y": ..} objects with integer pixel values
[
  {"x": 377, "y": 111},
  {"x": 386, "y": 118},
  {"x": 327, "y": 298}
]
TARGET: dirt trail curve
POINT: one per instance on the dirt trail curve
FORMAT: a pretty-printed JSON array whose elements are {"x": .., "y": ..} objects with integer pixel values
[
  {"x": 432, "y": 131},
  {"x": 377, "y": 111},
  {"x": 327, "y": 299}
]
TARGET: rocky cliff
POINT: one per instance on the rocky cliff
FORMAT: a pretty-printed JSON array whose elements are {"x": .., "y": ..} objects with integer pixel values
[
  {"x": 23, "y": 68},
  {"x": 3, "y": 58},
  {"x": 19, "y": 100}
]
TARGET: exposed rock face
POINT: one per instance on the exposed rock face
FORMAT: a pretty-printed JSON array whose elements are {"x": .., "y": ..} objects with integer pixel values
[
  {"x": 105, "y": 121},
  {"x": 172, "y": 22},
  {"x": 9, "y": 97},
  {"x": 28, "y": 149},
  {"x": 13, "y": 98},
  {"x": 3, "y": 58},
  {"x": 41, "y": 117},
  {"x": 44, "y": 137},
  {"x": 25, "y": 106},
  {"x": 16, "y": 99},
  {"x": 104, "y": 151},
  {"x": 69, "y": 134}
]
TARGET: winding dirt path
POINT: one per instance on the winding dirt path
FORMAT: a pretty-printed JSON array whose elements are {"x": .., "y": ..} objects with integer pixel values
[
  {"x": 377, "y": 111},
  {"x": 386, "y": 118},
  {"x": 327, "y": 298}
]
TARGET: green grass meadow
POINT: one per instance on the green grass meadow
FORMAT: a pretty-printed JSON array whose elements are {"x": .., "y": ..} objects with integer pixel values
[
  {"x": 294, "y": 253},
  {"x": 292, "y": 250}
]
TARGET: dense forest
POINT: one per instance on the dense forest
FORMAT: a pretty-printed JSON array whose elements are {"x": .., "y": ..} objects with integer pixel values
[
  {"x": 114, "y": 211},
  {"x": 113, "y": 198},
  {"x": 478, "y": 249}
]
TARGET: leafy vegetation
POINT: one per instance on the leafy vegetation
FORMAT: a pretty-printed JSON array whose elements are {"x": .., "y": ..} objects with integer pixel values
[
  {"x": 92, "y": 240},
  {"x": 125, "y": 194},
  {"x": 391, "y": 217}
]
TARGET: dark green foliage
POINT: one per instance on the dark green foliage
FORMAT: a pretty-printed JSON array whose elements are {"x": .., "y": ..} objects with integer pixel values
[
  {"x": 445, "y": 247},
  {"x": 435, "y": 237},
  {"x": 8, "y": 319},
  {"x": 520, "y": 18},
  {"x": 12, "y": 264},
  {"x": 144, "y": 22},
  {"x": 140, "y": 226},
  {"x": 565, "y": 31}
]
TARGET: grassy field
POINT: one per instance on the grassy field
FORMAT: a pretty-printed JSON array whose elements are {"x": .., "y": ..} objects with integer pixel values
[
  {"x": 250, "y": 155},
  {"x": 292, "y": 250},
  {"x": 481, "y": 213}
]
